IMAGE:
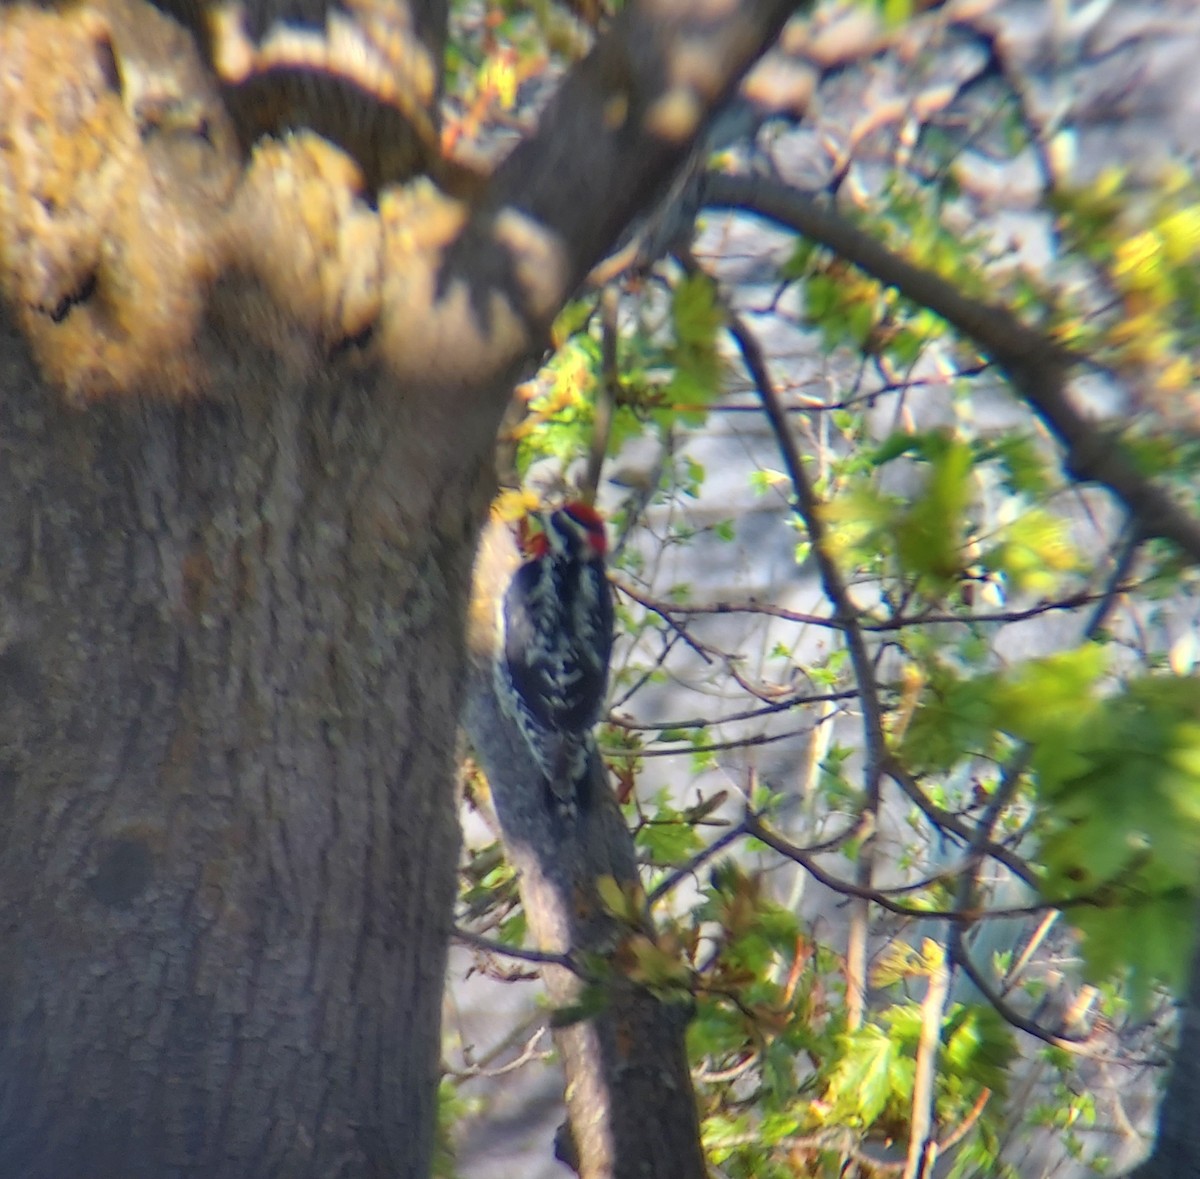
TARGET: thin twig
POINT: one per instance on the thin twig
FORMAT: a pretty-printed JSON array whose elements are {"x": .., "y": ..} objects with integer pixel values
[
  {"x": 806, "y": 858},
  {"x": 702, "y": 722},
  {"x": 866, "y": 622},
  {"x": 958, "y": 953},
  {"x": 951, "y": 824},
  {"x": 481, "y": 1069},
  {"x": 664, "y": 612},
  {"x": 1013, "y": 975},
  {"x": 671, "y": 881},
  {"x": 766, "y": 609},
  {"x": 488, "y": 946},
  {"x": 808, "y": 507},
  {"x": 922, "y": 1145},
  {"x": 711, "y": 746},
  {"x": 964, "y": 1127}
]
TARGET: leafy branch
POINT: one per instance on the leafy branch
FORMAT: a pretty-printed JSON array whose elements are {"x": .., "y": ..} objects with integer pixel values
[{"x": 1036, "y": 365}]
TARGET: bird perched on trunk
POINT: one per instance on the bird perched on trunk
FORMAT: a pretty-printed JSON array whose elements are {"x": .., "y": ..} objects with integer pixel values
[{"x": 556, "y": 634}]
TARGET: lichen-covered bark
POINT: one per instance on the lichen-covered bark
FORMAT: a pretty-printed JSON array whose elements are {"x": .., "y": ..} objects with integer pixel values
[
  {"x": 236, "y": 530},
  {"x": 229, "y": 663}
]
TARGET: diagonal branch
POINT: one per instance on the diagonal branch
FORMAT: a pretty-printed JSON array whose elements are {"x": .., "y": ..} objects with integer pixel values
[
  {"x": 1036, "y": 365},
  {"x": 626, "y": 118},
  {"x": 629, "y": 1097}
]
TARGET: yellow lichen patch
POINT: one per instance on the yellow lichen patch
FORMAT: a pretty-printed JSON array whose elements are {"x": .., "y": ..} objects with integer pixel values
[
  {"x": 364, "y": 81},
  {"x": 304, "y": 232},
  {"x": 616, "y": 111},
  {"x": 114, "y": 165},
  {"x": 675, "y": 116},
  {"x": 417, "y": 219},
  {"x": 541, "y": 266},
  {"x": 443, "y": 320}
]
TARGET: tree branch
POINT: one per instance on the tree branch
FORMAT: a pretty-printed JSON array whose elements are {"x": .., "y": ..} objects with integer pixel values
[
  {"x": 629, "y": 1095},
  {"x": 625, "y": 120},
  {"x": 489, "y": 946},
  {"x": 922, "y": 1144},
  {"x": 1036, "y": 366}
]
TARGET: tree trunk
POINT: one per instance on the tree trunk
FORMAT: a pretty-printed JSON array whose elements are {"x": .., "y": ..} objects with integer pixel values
[{"x": 230, "y": 651}]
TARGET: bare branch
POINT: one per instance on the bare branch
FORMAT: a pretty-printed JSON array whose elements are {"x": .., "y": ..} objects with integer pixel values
[
  {"x": 961, "y": 958},
  {"x": 531, "y": 1051},
  {"x": 846, "y": 615},
  {"x": 489, "y": 946},
  {"x": 953, "y": 825},
  {"x": 674, "y": 879},
  {"x": 922, "y": 1145},
  {"x": 713, "y": 746},
  {"x": 673, "y": 610},
  {"x": 785, "y": 704}
]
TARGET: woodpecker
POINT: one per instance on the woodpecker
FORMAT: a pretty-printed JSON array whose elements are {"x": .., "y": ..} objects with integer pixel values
[{"x": 556, "y": 634}]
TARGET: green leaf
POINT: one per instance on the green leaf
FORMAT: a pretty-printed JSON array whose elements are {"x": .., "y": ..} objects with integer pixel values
[
  {"x": 718, "y": 1030},
  {"x": 1044, "y": 699},
  {"x": 573, "y": 318},
  {"x": 620, "y": 900},
  {"x": 654, "y": 967},
  {"x": 1033, "y": 551},
  {"x": 765, "y": 479},
  {"x": 865, "y": 1077},
  {"x": 979, "y": 1046},
  {"x": 778, "y": 1126},
  {"x": 896, "y": 963},
  {"x": 669, "y": 843},
  {"x": 930, "y": 534},
  {"x": 820, "y": 297},
  {"x": 697, "y": 318},
  {"x": 1120, "y": 790},
  {"x": 722, "y": 1133},
  {"x": 894, "y": 446},
  {"x": 956, "y": 719},
  {"x": 1025, "y": 466},
  {"x": 798, "y": 264}
]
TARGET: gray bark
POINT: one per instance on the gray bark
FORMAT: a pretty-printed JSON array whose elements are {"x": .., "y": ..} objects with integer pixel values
[{"x": 228, "y": 695}]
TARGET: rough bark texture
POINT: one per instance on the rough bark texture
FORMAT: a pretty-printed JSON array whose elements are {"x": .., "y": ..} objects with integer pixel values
[
  {"x": 232, "y": 585},
  {"x": 630, "y": 1104},
  {"x": 365, "y": 74},
  {"x": 229, "y": 686}
]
